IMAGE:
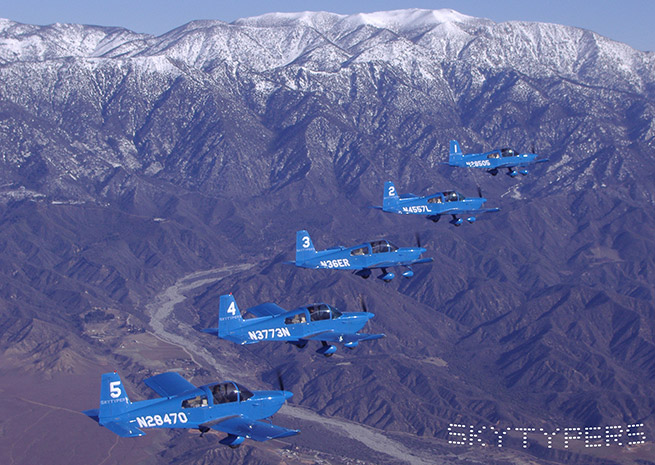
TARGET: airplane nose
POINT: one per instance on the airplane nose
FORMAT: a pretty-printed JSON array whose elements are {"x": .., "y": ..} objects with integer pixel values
[
  {"x": 287, "y": 395},
  {"x": 369, "y": 315}
]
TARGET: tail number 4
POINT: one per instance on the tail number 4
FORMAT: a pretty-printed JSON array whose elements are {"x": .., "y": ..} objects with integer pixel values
[
  {"x": 115, "y": 390},
  {"x": 232, "y": 309}
]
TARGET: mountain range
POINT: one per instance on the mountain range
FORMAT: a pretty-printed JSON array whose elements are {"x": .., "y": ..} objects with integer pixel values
[{"x": 142, "y": 177}]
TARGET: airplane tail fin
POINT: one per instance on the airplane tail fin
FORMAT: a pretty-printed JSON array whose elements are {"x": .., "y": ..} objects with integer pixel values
[
  {"x": 229, "y": 315},
  {"x": 113, "y": 398},
  {"x": 390, "y": 196},
  {"x": 455, "y": 151},
  {"x": 304, "y": 247}
]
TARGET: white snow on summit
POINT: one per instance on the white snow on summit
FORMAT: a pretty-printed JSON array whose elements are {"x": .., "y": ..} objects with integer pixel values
[{"x": 406, "y": 20}]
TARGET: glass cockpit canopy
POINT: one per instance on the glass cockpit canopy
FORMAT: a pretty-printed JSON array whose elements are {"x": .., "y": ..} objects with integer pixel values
[
  {"x": 382, "y": 246},
  {"x": 229, "y": 391},
  {"x": 319, "y": 312},
  {"x": 452, "y": 196},
  {"x": 507, "y": 152}
]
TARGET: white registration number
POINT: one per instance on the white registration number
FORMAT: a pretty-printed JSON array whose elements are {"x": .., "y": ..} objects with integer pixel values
[
  {"x": 152, "y": 421},
  {"x": 335, "y": 263},
  {"x": 416, "y": 209},
  {"x": 268, "y": 333},
  {"x": 477, "y": 163}
]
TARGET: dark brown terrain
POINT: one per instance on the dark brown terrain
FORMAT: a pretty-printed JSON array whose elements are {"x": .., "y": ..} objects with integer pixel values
[{"x": 142, "y": 177}]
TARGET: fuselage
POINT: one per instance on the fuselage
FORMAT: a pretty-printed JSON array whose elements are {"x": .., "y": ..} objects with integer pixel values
[
  {"x": 501, "y": 158},
  {"x": 436, "y": 204},
  {"x": 363, "y": 256},
  {"x": 297, "y": 324},
  {"x": 201, "y": 405}
]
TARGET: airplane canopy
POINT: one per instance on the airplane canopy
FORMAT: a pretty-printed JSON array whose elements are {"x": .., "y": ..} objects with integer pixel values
[
  {"x": 382, "y": 246},
  {"x": 319, "y": 312},
  {"x": 229, "y": 391},
  {"x": 506, "y": 152}
]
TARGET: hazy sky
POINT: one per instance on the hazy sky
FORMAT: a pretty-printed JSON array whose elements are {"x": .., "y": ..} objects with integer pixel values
[{"x": 629, "y": 21}]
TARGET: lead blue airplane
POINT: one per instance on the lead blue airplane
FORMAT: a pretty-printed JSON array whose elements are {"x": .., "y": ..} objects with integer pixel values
[
  {"x": 494, "y": 160},
  {"x": 227, "y": 407},
  {"x": 434, "y": 205},
  {"x": 361, "y": 258},
  {"x": 317, "y": 322}
]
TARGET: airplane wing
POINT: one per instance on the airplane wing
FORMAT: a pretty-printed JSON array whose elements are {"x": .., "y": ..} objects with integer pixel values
[
  {"x": 253, "y": 429},
  {"x": 169, "y": 384},
  {"x": 400, "y": 263},
  {"x": 124, "y": 429},
  {"x": 267, "y": 309},
  {"x": 460, "y": 211},
  {"x": 319, "y": 336},
  {"x": 346, "y": 338}
]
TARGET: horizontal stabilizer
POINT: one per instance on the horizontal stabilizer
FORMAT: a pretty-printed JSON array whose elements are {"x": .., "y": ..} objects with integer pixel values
[
  {"x": 267, "y": 309},
  {"x": 257, "y": 430},
  {"x": 93, "y": 414},
  {"x": 124, "y": 430},
  {"x": 169, "y": 384},
  {"x": 213, "y": 331}
]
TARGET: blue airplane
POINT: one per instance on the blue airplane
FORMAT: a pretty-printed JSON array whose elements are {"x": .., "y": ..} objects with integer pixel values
[
  {"x": 433, "y": 206},
  {"x": 226, "y": 407},
  {"x": 317, "y": 322},
  {"x": 494, "y": 160},
  {"x": 361, "y": 258}
]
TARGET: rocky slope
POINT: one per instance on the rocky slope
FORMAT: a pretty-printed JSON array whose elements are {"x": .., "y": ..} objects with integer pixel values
[{"x": 130, "y": 161}]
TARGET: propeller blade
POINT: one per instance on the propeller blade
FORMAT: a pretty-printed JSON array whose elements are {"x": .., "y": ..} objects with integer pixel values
[
  {"x": 418, "y": 240},
  {"x": 362, "y": 303},
  {"x": 532, "y": 149},
  {"x": 280, "y": 382},
  {"x": 479, "y": 192}
]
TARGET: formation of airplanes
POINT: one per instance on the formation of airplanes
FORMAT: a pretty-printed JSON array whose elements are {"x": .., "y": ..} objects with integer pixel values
[{"x": 229, "y": 407}]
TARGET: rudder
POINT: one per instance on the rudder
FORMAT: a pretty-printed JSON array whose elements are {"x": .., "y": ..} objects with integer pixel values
[
  {"x": 113, "y": 397},
  {"x": 229, "y": 315},
  {"x": 390, "y": 196},
  {"x": 455, "y": 151},
  {"x": 304, "y": 247}
]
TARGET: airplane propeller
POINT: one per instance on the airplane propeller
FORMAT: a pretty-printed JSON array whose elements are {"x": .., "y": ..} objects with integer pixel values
[
  {"x": 418, "y": 240},
  {"x": 362, "y": 303},
  {"x": 479, "y": 192},
  {"x": 532, "y": 149},
  {"x": 280, "y": 381}
]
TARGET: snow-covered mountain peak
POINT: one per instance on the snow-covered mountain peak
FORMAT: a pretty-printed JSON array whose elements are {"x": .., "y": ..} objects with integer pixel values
[
  {"x": 395, "y": 20},
  {"x": 320, "y": 20},
  {"x": 407, "y": 20}
]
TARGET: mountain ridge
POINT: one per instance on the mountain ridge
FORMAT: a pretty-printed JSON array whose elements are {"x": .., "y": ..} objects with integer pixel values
[{"x": 211, "y": 145}]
